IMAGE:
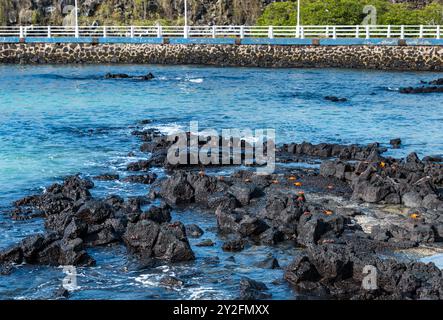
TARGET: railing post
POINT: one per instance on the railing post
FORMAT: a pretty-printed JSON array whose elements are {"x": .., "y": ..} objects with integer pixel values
[
  {"x": 334, "y": 32},
  {"x": 327, "y": 32},
  {"x": 186, "y": 32},
  {"x": 242, "y": 32},
  {"x": 271, "y": 32},
  {"x": 159, "y": 31},
  {"x": 214, "y": 31},
  {"x": 402, "y": 32},
  {"x": 76, "y": 32},
  {"x": 105, "y": 32},
  {"x": 132, "y": 31},
  {"x": 22, "y": 33},
  {"x": 368, "y": 32},
  {"x": 438, "y": 32},
  {"x": 49, "y": 31},
  {"x": 421, "y": 32},
  {"x": 357, "y": 31},
  {"x": 297, "y": 32},
  {"x": 389, "y": 32},
  {"x": 302, "y": 32}
]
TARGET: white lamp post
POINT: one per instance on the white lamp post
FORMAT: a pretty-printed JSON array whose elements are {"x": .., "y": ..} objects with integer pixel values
[
  {"x": 76, "y": 19},
  {"x": 298, "y": 19},
  {"x": 186, "y": 13},
  {"x": 186, "y": 19}
]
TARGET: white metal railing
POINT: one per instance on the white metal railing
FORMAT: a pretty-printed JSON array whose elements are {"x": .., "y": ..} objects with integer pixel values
[{"x": 359, "y": 31}]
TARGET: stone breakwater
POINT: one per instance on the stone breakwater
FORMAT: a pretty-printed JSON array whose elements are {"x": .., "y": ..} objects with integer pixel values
[{"x": 420, "y": 58}]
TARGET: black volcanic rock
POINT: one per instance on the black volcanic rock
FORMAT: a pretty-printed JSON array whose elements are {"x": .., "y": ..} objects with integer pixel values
[
  {"x": 166, "y": 241},
  {"x": 335, "y": 99},
  {"x": 146, "y": 77},
  {"x": 253, "y": 290},
  {"x": 424, "y": 89}
]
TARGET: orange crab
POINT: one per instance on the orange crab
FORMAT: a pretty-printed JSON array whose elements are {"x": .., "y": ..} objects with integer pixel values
[
  {"x": 298, "y": 184},
  {"x": 382, "y": 165},
  {"x": 292, "y": 178},
  {"x": 328, "y": 212},
  {"x": 301, "y": 196},
  {"x": 415, "y": 216}
]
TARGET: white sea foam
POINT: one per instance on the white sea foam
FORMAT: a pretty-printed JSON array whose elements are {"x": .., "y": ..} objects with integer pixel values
[
  {"x": 436, "y": 259},
  {"x": 168, "y": 129},
  {"x": 198, "y": 80},
  {"x": 207, "y": 293},
  {"x": 148, "y": 280}
]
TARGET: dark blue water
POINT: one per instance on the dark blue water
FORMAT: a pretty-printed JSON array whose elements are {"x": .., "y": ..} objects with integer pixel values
[{"x": 59, "y": 120}]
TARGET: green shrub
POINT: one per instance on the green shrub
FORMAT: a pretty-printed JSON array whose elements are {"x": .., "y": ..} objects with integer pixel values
[
  {"x": 348, "y": 12},
  {"x": 279, "y": 14},
  {"x": 5, "y": 6}
]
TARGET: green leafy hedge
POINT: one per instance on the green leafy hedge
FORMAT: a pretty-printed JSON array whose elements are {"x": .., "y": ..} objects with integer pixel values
[{"x": 349, "y": 12}]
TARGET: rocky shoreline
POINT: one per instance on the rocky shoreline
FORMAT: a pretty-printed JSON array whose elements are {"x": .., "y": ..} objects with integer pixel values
[{"x": 293, "y": 205}]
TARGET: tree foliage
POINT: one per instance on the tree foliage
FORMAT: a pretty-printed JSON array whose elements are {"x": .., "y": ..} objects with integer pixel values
[
  {"x": 5, "y": 6},
  {"x": 349, "y": 12}
]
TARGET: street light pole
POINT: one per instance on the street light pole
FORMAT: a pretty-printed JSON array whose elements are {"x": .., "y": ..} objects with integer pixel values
[
  {"x": 186, "y": 13},
  {"x": 76, "y": 19},
  {"x": 298, "y": 18},
  {"x": 186, "y": 20}
]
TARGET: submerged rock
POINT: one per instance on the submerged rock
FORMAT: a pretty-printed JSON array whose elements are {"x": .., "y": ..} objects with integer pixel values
[
  {"x": 61, "y": 293},
  {"x": 146, "y": 77},
  {"x": 142, "y": 179},
  {"x": 194, "y": 231},
  {"x": 437, "y": 82},
  {"x": 235, "y": 245},
  {"x": 142, "y": 165},
  {"x": 269, "y": 262},
  {"x": 335, "y": 99},
  {"x": 395, "y": 143},
  {"x": 253, "y": 290},
  {"x": 170, "y": 281},
  {"x": 431, "y": 89},
  {"x": 107, "y": 177},
  {"x": 206, "y": 243}
]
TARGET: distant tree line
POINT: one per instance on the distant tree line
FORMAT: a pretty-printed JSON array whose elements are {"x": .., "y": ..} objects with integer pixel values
[{"x": 223, "y": 12}]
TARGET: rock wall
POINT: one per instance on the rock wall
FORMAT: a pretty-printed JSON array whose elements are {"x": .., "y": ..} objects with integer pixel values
[
  {"x": 201, "y": 12},
  {"x": 219, "y": 12},
  {"x": 424, "y": 58}
]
